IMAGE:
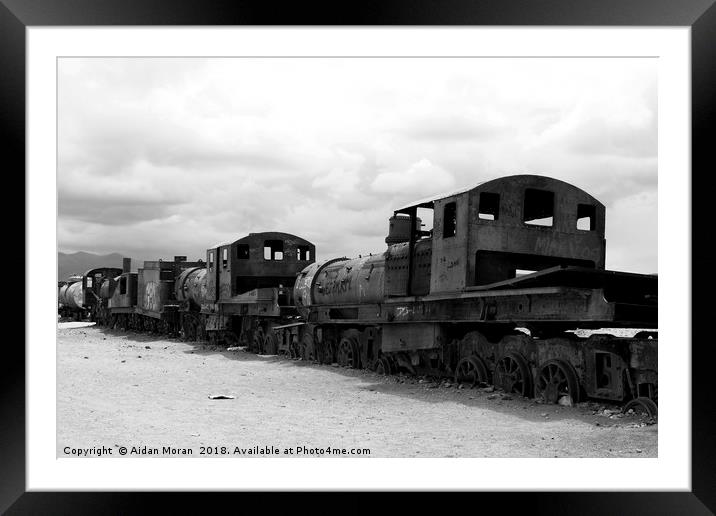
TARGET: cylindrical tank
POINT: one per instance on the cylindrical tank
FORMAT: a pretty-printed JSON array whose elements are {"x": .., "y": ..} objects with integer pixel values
[
  {"x": 61, "y": 290},
  {"x": 71, "y": 295},
  {"x": 106, "y": 290},
  {"x": 191, "y": 286},
  {"x": 304, "y": 282},
  {"x": 340, "y": 282}
]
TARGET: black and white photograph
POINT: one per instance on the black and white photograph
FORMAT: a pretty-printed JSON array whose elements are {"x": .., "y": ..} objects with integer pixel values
[
  {"x": 390, "y": 246},
  {"x": 357, "y": 257},
  {"x": 363, "y": 258}
]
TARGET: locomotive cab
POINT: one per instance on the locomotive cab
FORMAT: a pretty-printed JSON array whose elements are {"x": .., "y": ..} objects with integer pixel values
[
  {"x": 493, "y": 232},
  {"x": 256, "y": 261}
]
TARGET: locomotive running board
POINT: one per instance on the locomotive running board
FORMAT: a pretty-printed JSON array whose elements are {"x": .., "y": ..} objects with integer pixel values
[
  {"x": 618, "y": 286},
  {"x": 291, "y": 325}
]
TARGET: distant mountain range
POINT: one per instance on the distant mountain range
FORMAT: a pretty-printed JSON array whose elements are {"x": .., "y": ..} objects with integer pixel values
[{"x": 79, "y": 263}]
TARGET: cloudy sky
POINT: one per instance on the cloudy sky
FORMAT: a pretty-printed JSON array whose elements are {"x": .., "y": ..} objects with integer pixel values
[{"x": 159, "y": 157}]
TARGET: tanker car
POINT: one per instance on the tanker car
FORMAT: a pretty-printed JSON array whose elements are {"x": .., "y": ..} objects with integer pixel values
[{"x": 491, "y": 294}]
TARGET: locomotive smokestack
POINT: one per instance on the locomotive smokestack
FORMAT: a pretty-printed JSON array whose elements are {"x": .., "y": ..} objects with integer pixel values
[
  {"x": 126, "y": 264},
  {"x": 180, "y": 258}
]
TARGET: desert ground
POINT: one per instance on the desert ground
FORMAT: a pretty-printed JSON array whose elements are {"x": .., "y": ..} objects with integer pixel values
[{"x": 123, "y": 389}]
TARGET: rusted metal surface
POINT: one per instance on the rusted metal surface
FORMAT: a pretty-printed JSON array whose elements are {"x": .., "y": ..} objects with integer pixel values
[
  {"x": 259, "y": 260},
  {"x": 191, "y": 287},
  {"x": 125, "y": 293},
  {"x": 155, "y": 286},
  {"x": 72, "y": 296},
  {"x": 504, "y": 236},
  {"x": 349, "y": 282},
  {"x": 106, "y": 290}
]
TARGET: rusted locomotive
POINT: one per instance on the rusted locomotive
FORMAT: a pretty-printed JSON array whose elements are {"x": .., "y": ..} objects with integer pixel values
[
  {"x": 239, "y": 294},
  {"x": 245, "y": 292},
  {"x": 491, "y": 294},
  {"x": 144, "y": 300},
  {"x": 79, "y": 297}
]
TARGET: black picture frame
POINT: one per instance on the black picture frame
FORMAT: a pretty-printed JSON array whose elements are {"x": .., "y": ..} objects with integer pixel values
[{"x": 700, "y": 15}]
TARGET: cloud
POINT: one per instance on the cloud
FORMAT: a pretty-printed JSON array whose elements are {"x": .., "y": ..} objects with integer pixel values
[
  {"x": 422, "y": 177},
  {"x": 168, "y": 156},
  {"x": 450, "y": 128}
]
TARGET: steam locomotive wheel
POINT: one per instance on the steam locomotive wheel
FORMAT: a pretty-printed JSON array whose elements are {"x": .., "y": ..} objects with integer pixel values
[
  {"x": 189, "y": 329},
  {"x": 270, "y": 343},
  {"x": 348, "y": 353},
  {"x": 307, "y": 350},
  {"x": 201, "y": 330},
  {"x": 257, "y": 343},
  {"x": 642, "y": 405},
  {"x": 383, "y": 366},
  {"x": 555, "y": 380},
  {"x": 512, "y": 375},
  {"x": 229, "y": 337},
  {"x": 322, "y": 350},
  {"x": 471, "y": 371}
]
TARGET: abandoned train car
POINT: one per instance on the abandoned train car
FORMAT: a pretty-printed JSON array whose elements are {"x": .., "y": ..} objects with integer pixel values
[{"x": 490, "y": 294}]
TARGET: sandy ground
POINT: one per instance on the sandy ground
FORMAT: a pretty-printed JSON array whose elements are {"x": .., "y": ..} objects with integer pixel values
[{"x": 118, "y": 389}]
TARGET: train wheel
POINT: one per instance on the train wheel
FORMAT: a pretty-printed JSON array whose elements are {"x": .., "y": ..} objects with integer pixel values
[
  {"x": 512, "y": 375},
  {"x": 555, "y": 380},
  {"x": 257, "y": 343},
  {"x": 348, "y": 353},
  {"x": 643, "y": 405},
  {"x": 471, "y": 371},
  {"x": 383, "y": 366},
  {"x": 229, "y": 338},
  {"x": 189, "y": 330},
  {"x": 270, "y": 343},
  {"x": 307, "y": 350},
  {"x": 324, "y": 351},
  {"x": 201, "y": 330}
]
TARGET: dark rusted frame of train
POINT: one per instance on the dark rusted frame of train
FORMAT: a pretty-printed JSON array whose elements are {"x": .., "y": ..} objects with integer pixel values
[{"x": 467, "y": 329}]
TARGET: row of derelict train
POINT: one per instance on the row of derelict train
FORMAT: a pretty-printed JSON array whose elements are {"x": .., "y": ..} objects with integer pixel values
[{"x": 492, "y": 294}]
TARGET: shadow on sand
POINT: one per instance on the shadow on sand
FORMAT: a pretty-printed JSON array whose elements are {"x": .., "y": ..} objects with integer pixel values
[{"x": 425, "y": 389}]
